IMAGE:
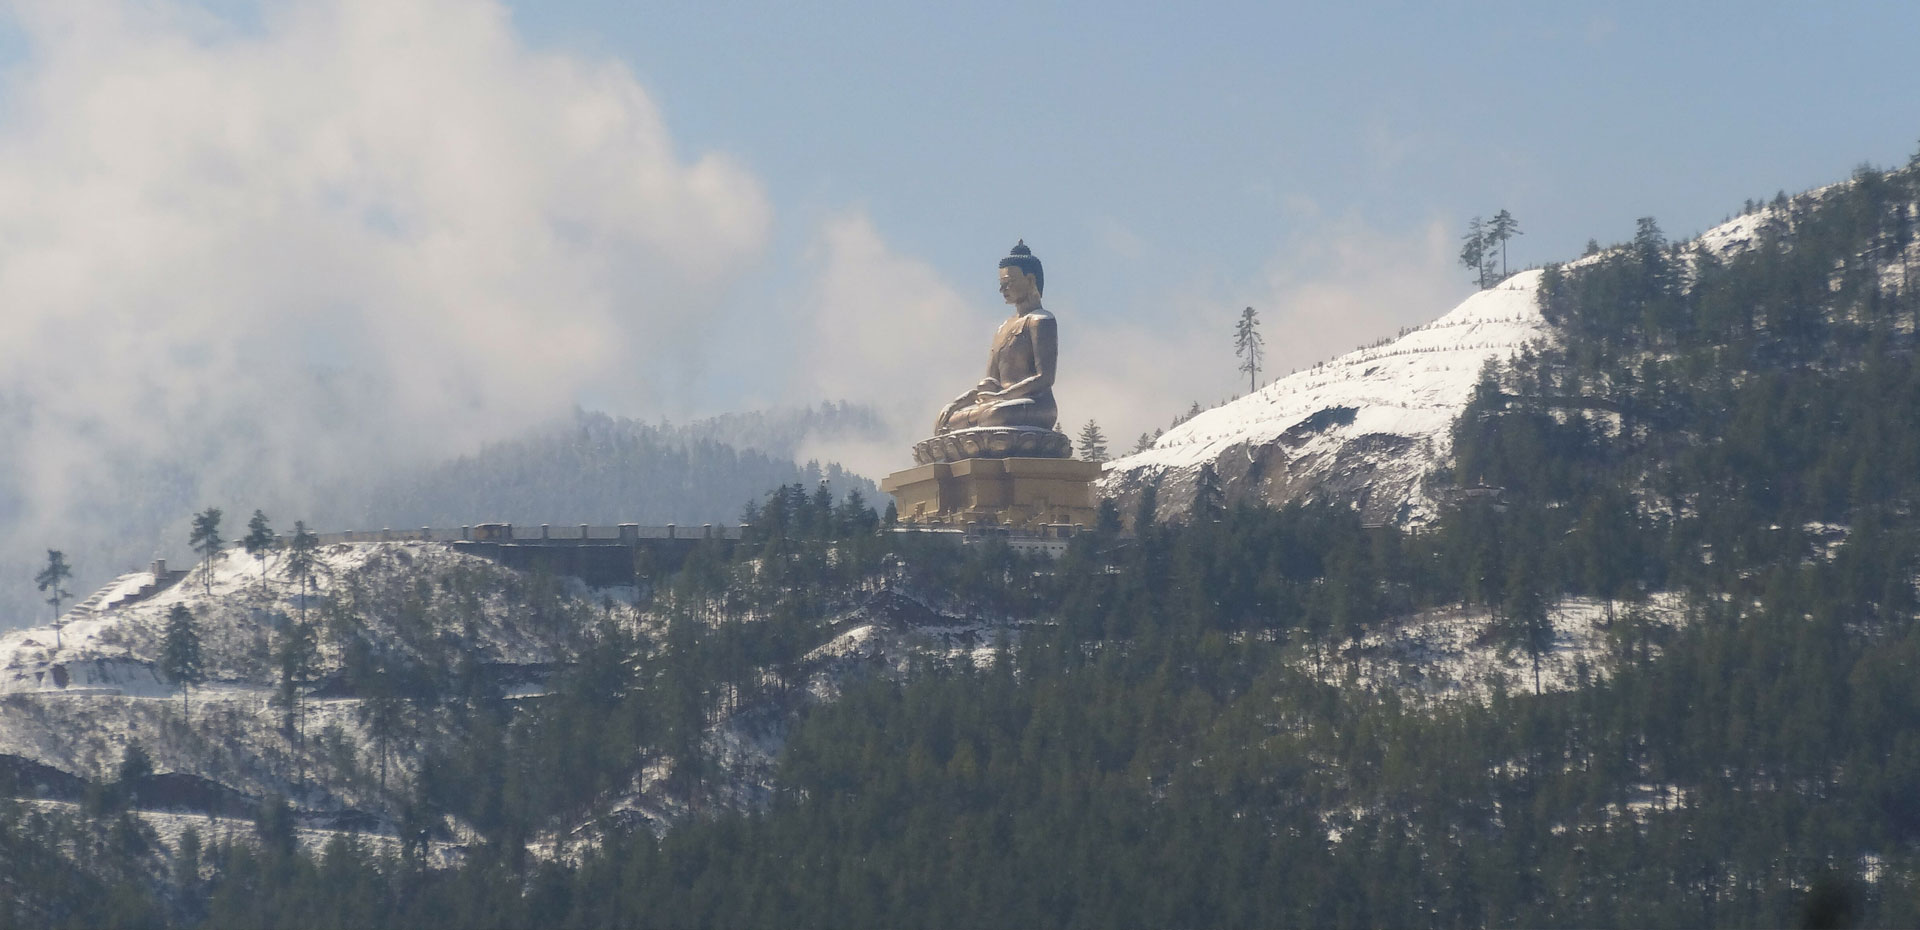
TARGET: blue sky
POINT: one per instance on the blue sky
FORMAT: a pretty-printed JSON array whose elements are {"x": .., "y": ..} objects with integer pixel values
[
  {"x": 249, "y": 248},
  {"x": 1145, "y": 149}
]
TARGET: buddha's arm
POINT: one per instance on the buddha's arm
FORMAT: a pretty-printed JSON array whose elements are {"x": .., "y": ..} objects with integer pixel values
[
  {"x": 1044, "y": 336},
  {"x": 968, "y": 398},
  {"x": 973, "y": 393}
]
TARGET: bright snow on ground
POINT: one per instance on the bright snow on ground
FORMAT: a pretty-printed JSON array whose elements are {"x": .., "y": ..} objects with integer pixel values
[
  {"x": 113, "y": 648},
  {"x": 117, "y": 590},
  {"x": 77, "y": 707},
  {"x": 1412, "y": 386},
  {"x": 170, "y": 826},
  {"x": 1455, "y": 652}
]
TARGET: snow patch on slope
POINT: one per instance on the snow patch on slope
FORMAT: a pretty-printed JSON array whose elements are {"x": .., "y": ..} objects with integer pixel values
[
  {"x": 1456, "y": 653},
  {"x": 1411, "y": 388},
  {"x": 77, "y": 705},
  {"x": 1369, "y": 426}
]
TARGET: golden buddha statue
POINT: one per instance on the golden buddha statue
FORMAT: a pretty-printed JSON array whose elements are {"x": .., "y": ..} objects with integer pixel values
[{"x": 1011, "y": 411}]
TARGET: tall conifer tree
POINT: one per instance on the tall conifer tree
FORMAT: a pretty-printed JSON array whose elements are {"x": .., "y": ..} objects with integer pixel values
[
  {"x": 258, "y": 542},
  {"x": 1501, "y": 229},
  {"x": 1473, "y": 250},
  {"x": 301, "y": 561},
  {"x": 180, "y": 658},
  {"x": 205, "y": 539},
  {"x": 1093, "y": 443},
  {"x": 1248, "y": 345},
  {"x": 52, "y": 581}
]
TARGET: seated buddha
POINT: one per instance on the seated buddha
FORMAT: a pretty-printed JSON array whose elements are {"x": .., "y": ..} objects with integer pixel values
[{"x": 1018, "y": 388}]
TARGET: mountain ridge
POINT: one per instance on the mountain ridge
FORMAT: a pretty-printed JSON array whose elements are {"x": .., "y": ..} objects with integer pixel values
[{"x": 1372, "y": 428}]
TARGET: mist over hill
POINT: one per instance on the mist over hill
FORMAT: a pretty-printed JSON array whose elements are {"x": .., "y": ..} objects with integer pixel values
[
  {"x": 584, "y": 468},
  {"x": 595, "y": 468}
]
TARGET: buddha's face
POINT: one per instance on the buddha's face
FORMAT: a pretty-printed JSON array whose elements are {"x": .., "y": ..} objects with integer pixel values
[{"x": 1017, "y": 288}]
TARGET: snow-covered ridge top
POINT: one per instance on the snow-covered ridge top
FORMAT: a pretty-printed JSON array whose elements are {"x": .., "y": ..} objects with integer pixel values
[
  {"x": 241, "y": 593},
  {"x": 1413, "y": 386}
]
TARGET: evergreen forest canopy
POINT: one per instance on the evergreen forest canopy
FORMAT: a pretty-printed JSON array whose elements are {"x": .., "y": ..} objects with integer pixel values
[{"x": 1162, "y": 745}]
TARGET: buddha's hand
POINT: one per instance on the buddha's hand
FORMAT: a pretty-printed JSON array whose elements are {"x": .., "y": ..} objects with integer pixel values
[{"x": 979, "y": 392}]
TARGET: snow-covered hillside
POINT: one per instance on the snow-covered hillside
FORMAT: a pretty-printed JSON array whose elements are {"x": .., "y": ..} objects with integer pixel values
[
  {"x": 69, "y": 712},
  {"x": 1370, "y": 427},
  {"x": 77, "y": 706},
  {"x": 1457, "y": 652},
  {"x": 1366, "y": 427}
]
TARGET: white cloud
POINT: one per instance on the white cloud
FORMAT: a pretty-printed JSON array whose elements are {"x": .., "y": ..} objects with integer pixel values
[
  {"x": 1347, "y": 284},
  {"x": 243, "y": 260},
  {"x": 240, "y": 262},
  {"x": 890, "y": 330}
]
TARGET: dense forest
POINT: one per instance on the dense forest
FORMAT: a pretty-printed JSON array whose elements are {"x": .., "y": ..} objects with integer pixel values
[{"x": 1154, "y": 738}]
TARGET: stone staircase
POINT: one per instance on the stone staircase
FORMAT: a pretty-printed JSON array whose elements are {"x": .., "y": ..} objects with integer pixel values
[{"x": 131, "y": 588}]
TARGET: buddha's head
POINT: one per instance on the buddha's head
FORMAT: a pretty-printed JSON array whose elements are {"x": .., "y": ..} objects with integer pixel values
[{"x": 1021, "y": 278}]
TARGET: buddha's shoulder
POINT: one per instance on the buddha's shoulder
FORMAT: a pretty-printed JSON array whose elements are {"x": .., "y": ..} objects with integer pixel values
[{"x": 1040, "y": 316}]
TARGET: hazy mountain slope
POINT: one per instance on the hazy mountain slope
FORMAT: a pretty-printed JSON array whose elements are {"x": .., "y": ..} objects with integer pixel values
[
  {"x": 600, "y": 469},
  {"x": 585, "y": 468}
]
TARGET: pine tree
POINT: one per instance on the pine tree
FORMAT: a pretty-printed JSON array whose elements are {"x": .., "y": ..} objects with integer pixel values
[
  {"x": 854, "y": 517},
  {"x": 298, "y": 656},
  {"x": 1146, "y": 510},
  {"x": 186, "y": 862},
  {"x": 1502, "y": 229},
  {"x": 205, "y": 539},
  {"x": 1093, "y": 443},
  {"x": 258, "y": 543},
  {"x": 301, "y": 560},
  {"x": 180, "y": 658},
  {"x": 1650, "y": 247},
  {"x": 1248, "y": 345},
  {"x": 1144, "y": 443},
  {"x": 136, "y": 765},
  {"x": 1525, "y": 613},
  {"x": 1473, "y": 250},
  {"x": 383, "y": 705},
  {"x": 1209, "y": 498},
  {"x": 820, "y": 511},
  {"x": 51, "y": 581}
]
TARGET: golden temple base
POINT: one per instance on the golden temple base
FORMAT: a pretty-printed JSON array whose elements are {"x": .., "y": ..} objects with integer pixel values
[{"x": 1014, "y": 492}]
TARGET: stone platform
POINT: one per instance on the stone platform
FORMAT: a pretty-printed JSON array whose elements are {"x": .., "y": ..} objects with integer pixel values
[
  {"x": 1015, "y": 492},
  {"x": 993, "y": 442}
]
